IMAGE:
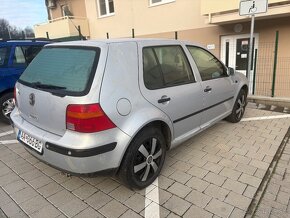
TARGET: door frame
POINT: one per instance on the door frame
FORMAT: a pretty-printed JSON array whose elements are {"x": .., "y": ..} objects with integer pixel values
[{"x": 232, "y": 39}]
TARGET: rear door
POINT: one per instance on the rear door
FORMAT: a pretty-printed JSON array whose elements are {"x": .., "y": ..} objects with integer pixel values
[
  {"x": 169, "y": 84},
  {"x": 217, "y": 86}
]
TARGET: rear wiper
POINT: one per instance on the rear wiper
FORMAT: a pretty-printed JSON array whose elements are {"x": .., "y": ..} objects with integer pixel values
[{"x": 46, "y": 86}]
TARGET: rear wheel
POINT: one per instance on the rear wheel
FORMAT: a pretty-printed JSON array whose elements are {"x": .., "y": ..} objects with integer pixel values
[
  {"x": 239, "y": 107},
  {"x": 7, "y": 105},
  {"x": 144, "y": 159}
]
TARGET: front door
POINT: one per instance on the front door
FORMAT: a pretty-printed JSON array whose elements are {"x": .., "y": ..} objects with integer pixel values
[
  {"x": 217, "y": 87},
  {"x": 235, "y": 54}
]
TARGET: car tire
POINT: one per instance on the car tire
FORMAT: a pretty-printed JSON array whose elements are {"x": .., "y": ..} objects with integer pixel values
[
  {"x": 143, "y": 159},
  {"x": 7, "y": 105},
  {"x": 239, "y": 107}
]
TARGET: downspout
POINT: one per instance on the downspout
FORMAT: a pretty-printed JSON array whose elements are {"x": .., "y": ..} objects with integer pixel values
[{"x": 209, "y": 18}]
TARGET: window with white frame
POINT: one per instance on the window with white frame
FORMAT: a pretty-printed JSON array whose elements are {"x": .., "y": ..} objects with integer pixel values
[
  {"x": 106, "y": 7},
  {"x": 159, "y": 2}
]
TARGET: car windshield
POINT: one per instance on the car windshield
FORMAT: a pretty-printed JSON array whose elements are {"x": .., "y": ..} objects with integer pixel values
[
  {"x": 4, "y": 53},
  {"x": 62, "y": 69}
]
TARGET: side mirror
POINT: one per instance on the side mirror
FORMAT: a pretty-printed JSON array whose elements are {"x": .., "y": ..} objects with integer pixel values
[{"x": 231, "y": 71}]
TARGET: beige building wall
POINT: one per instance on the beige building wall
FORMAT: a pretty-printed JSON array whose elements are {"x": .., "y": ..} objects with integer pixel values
[
  {"x": 77, "y": 7},
  {"x": 138, "y": 15}
]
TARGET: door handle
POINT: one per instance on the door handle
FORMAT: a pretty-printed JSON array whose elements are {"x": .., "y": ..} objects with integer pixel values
[
  {"x": 164, "y": 99},
  {"x": 207, "y": 89}
]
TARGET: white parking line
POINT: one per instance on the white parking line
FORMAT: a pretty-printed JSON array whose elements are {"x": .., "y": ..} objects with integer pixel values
[
  {"x": 6, "y": 133},
  {"x": 152, "y": 193},
  {"x": 9, "y": 142},
  {"x": 266, "y": 117}
]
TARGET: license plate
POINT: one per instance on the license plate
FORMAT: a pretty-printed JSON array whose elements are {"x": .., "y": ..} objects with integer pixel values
[{"x": 30, "y": 141}]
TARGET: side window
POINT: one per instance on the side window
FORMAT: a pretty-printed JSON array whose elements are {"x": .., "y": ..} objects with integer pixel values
[
  {"x": 209, "y": 66},
  {"x": 30, "y": 52},
  {"x": 165, "y": 66},
  {"x": 4, "y": 56},
  {"x": 19, "y": 57}
]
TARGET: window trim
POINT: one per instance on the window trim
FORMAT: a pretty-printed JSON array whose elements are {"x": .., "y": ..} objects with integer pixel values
[
  {"x": 164, "y": 85},
  {"x": 160, "y": 3},
  {"x": 107, "y": 9},
  {"x": 6, "y": 63},
  {"x": 225, "y": 68}
]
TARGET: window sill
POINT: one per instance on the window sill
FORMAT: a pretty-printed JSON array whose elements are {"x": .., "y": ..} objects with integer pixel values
[
  {"x": 160, "y": 3},
  {"x": 107, "y": 15}
]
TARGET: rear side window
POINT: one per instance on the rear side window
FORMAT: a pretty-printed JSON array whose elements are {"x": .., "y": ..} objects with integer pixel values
[
  {"x": 208, "y": 65},
  {"x": 4, "y": 56},
  {"x": 67, "y": 70},
  {"x": 165, "y": 66}
]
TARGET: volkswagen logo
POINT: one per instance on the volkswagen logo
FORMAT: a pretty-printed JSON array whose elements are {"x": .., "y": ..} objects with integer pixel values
[{"x": 31, "y": 99}]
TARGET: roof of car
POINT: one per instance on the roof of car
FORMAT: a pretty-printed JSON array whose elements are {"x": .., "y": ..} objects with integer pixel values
[{"x": 108, "y": 41}]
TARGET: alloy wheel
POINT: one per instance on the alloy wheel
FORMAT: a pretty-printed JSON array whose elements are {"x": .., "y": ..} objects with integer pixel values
[
  {"x": 7, "y": 107},
  {"x": 148, "y": 159},
  {"x": 241, "y": 106}
]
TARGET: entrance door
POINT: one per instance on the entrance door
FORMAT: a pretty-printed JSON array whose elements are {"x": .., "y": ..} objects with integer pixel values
[{"x": 235, "y": 54}]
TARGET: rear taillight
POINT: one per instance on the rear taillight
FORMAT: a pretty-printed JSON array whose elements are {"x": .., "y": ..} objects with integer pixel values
[
  {"x": 15, "y": 100},
  {"x": 87, "y": 118}
]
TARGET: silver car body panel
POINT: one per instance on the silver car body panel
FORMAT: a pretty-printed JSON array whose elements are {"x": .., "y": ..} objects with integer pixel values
[{"x": 118, "y": 87}]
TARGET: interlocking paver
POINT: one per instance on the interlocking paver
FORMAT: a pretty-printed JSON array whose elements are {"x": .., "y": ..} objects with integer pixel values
[
  {"x": 219, "y": 208},
  {"x": 215, "y": 168},
  {"x": 107, "y": 185},
  {"x": 216, "y": 192},
  {"x": 98, "y": 200},
  {"x": 48, "y": 211},
  {"x": 197, "y": 184},
  {"x": 113, "y": 209},
  {"x": 73, "y": 207},
  {"x": 12, "y": 209},
  {"x": 180, "y": 176},
  {"x": 89, "y": 213},
  {"x": 129, "y": 214},
  {"x": 24, "y": 195},
  {"x": 61, "y": 198},
  {"x": 137, "y": 202},
  {"x": 34, "y": 204},
  {"x": 158, "y": 196},
  {"x": 235, "y": 186},
  {"x": 215, "y": 179},
  {"x": 73, "y": 183},
  {"x": 177, "y": 205},
  {"x": 121, "y": 193},
  {"x": 197, "y": 212},
  {"x": 50, "y": 189},
  {"x": 238, "y": 200},
  {"x": 250, "y": 180},
  {"x": 179, "y": 189},
  {"x": 197, "y": 171},
  {"x": 197, "y": 198},
  {"x": 230, "y": 173}
]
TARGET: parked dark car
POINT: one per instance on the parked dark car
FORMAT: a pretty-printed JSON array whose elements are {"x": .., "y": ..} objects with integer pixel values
[{"x": 14, "y": 58}]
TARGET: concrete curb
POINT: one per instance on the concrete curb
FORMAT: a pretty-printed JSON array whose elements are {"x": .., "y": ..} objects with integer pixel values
[{"x": 276, "y": 101}]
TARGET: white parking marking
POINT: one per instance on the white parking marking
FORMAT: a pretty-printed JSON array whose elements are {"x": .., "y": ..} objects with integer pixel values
[
  {"x": 152, "y": 193},
  {"x": 6, "y": 133},
  {"x": 9, "y": 142},
  {"x": 266, "y": 117}
]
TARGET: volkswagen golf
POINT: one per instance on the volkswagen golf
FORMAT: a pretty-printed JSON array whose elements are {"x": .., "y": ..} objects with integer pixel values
[{"x": 119, "y": 105}]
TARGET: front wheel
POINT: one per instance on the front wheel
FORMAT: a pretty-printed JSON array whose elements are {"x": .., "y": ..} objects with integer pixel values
[
  {"x": 239, "y": 107},
  {"x": 7, "y": 105},
  {"x": 144, "y": 159}
]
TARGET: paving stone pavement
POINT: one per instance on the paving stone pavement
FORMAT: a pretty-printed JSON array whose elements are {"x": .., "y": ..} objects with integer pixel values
[
  {"x": 275, "y": 199},
  {"x": 214, "y": 174}
]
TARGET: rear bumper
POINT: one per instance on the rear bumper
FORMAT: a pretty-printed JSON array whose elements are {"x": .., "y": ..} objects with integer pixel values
[{"x": 78, "y": 153}]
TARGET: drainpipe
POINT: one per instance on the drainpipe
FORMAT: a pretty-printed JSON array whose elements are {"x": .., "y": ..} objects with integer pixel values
[{"x": 209, "y": 18}]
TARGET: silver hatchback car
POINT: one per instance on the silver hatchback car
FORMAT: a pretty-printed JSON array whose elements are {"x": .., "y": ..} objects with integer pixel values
[{"x": 91, "y": 106}]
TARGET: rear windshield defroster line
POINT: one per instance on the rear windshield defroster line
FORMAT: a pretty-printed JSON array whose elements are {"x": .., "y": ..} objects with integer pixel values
[{"x": 70, "y": 67}]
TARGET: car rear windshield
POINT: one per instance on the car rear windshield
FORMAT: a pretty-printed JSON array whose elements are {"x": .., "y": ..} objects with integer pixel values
[{"x": 62, "y": 70}]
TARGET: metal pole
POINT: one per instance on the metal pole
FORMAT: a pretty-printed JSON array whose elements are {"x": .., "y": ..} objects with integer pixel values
[
  {"x": 255, "y": 71},
  {"x": 275, "y": 63},
  {"x": 176, "y": 35},
  {"x": 47, "y": 35},
  {"x": 108, "y": 36},
  {"x": 251, "y": 46},
  {"x": 133, "y": 33}
]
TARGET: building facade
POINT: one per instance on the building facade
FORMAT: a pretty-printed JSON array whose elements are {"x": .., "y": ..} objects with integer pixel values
[{"x": 211, "y": 23}]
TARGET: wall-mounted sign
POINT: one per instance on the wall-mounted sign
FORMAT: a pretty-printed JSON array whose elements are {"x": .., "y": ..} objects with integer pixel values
[
  {"x": 211, "y": 46},
  {"x": 250, "y": 7}
]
